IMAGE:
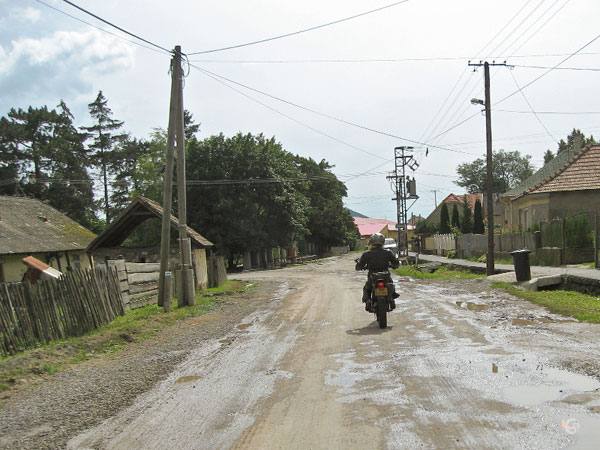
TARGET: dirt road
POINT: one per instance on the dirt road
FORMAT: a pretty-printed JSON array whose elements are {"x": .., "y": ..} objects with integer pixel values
[{"x": 460, "y": 366}]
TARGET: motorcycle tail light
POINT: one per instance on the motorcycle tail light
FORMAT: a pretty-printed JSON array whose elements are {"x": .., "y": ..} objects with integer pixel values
[{"x": 380, "y": 284}]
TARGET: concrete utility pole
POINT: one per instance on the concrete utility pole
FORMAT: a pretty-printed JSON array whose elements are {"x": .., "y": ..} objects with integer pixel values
[
  {"x": 404, "y": 189},
  {"x": 175, "y": 138},
  {"x": 489, "y": 163}
]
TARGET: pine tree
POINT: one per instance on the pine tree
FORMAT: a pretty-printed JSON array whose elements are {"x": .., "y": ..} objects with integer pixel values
[
  {"x": 455, "y": 217},
  {"x": 478, "y": 226},
  {"x": 104, "y": 148},
  {"x": 444, "y": 220},
  {"x": 466, "y": 225}
]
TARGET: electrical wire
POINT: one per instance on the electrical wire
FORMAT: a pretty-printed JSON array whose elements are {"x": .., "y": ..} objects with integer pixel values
[
  {"x": 383, "y": 133},
  {"x": 115, "y": 26},
  {"x": 531, "y": 107},
  {"x": 335, "y": 22},
  {"x": 101, "y": 29},
  {"x": 582, "y": 69},
  {"x": 547, "y": 112},
  {"x": 291, "y": 118}
]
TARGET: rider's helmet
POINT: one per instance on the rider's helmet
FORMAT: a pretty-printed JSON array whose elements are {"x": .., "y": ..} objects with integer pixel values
[{"x": 377, "y": 240}]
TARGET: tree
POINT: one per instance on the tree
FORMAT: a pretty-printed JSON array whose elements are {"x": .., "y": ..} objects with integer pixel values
[
  {"x": 329, "y": 222},
  {"x": 455, "y": 217},
  {"x": 104, "y": 150},
  {"x": 44, "y": 152},
  {"x": 466, "y": 223},
  {"x": 508, "y": 170},
  {"x": 478, "y": 225},
  {"x": 444, "y": 219},
  {"x": 575, "y": 139},
  {"x": 548, "y": 156},
  {"x": 428, "y": 228},
  {"x": 249, "y": 197}
]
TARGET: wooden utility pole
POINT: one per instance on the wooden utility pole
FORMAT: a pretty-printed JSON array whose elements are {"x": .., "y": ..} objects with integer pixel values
[
  {"x": 489, "y": 162},
  {"x": 175, "y": 138},
  {"x": 490, "y": 188}
]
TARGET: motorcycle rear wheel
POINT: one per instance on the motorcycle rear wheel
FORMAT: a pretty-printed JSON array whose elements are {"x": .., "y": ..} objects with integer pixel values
[{"x": 382, "y": 308}]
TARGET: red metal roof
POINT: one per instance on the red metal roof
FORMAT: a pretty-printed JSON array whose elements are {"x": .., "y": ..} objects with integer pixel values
[{"x": 367, "y": 226}]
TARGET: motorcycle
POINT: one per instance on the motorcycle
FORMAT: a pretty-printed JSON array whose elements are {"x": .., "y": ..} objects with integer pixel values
[{"x": 382, "y": 289}]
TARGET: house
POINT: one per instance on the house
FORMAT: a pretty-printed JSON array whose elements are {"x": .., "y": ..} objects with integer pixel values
[
  {"x": 29, "y": 227},
  {"x": 569, "y": 184},
  {"x": 109, "y": 244},
  {"x": 457, "y": 200},
  {"x": 367, "y": 226}
]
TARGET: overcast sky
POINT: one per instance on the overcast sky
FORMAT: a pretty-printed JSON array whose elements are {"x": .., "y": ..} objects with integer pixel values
[{"x": 402, "y": 72}]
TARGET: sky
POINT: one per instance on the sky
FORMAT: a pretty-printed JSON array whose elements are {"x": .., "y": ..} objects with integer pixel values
[{"x": 348, "y": 93}]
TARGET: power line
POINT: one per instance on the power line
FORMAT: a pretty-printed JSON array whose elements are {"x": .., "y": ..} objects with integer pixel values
[
  {"x": 299, "y": 31},
  {"x": 383, "y": 133},
  {"x": 546, "y": 112},
  {"x": 115, "y": 26},
  {"x": 582, "y": 69},
  {"x": 98, "y": 28},
  {"x": 531, "y": 107}
]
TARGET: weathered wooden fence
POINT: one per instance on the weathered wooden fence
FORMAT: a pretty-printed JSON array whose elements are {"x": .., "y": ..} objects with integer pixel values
[
  {"x": 474, "y": 245},
  {"x": 76, "y": 303},
  {"x": 138, "y": 282},
  {"x": 443, "y": 243}
]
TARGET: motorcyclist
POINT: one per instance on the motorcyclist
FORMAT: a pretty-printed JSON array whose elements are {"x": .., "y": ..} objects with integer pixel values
[{"x": 377, "y": 259}]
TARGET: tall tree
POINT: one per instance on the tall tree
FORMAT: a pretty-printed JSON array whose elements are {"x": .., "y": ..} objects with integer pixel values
[
  {"x": 575, "y": 139},
  {"x": 548, "y": 156},
  {"x": 466, "y": 223},
  {"x": 478, "y": 225},
  {"x": 329, "y": 222},
  {"x": 444, "y": 219},
  {"x": 508, "y": 170},
  {"x": 43, "y": 150},
  {"x": 247, "y": 194},
  {"x": 104, "y": 146},
  {"x": 455, "y": 217}
]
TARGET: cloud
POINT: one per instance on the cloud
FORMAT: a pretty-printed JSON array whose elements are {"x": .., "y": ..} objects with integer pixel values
[
  {"x": 28, "y": 14},
  {"x": 59, "y": 66}
]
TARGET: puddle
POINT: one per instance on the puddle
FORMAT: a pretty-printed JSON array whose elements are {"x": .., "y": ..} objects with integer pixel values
[
  {"x": 558, "y": 381},
  {"x": 522, "y": 322},
  {"x": 187, "y": 379},
  {"x": 243, "y": 326},
  {"x": 473, "y": 306}
]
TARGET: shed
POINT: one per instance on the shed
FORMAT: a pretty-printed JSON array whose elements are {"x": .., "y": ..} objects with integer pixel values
[
  {"x": 109, "y": 244},
  {"x": 30, "y": 227}
]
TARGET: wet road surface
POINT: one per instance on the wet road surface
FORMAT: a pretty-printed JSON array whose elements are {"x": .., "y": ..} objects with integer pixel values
[{"x": 459, "y": 366}]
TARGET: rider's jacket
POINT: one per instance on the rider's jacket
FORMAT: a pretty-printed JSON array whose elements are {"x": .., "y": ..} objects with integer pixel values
[{"x": 377, "y": 259}]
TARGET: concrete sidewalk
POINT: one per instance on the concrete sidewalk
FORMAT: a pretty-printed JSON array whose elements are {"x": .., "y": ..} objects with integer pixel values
[{"x": 536, "y": 271}]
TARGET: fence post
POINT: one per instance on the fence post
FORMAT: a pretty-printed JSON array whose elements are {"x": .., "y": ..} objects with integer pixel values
[
  {"x": 596, "y": 244},
  {"x": 563, "y": 238}
]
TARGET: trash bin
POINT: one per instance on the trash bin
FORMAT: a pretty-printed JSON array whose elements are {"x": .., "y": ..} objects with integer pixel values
[{"x": 521, "y": 262}]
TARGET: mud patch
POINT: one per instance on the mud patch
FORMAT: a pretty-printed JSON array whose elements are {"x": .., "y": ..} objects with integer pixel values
[
  {"x": 187, "y": 379},
  {"x": 473, "y": 306}
]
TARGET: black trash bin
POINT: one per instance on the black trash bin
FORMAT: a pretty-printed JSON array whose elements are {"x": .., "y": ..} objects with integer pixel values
[{"x": 521, "y": 262}]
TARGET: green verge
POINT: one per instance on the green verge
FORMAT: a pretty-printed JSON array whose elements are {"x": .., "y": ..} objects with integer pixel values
[
  {"x": 441, "y": 273},
  {"x": 136, "y": 325},
  {"x": 566, "y": 303}
]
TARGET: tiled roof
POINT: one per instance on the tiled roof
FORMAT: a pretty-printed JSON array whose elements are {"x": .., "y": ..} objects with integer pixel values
[
  {"x": 28, "y": 225},
  {"x": 547, "y": 172},
  {"x": 580, "y": 173},
  {"x": 471, "y": 199}
]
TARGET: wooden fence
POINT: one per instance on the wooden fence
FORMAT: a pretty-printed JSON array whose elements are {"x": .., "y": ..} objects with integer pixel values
[
  {"x": 443, "y": 243},
  {"x": 76, "y": 303}
]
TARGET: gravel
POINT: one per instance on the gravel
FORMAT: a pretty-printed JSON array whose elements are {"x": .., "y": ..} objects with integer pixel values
[{"x": 51, "y": 412}]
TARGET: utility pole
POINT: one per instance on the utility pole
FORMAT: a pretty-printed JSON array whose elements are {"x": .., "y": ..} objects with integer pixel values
[
  {"x": 489, "y": 162},
  {"x": 435, "y": 191},
  {"x": 405, "y": 189},
  {"x": 175, "y": 138}
]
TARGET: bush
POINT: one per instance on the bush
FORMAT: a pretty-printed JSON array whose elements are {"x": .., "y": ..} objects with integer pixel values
[{"x": 578, "y": 232}]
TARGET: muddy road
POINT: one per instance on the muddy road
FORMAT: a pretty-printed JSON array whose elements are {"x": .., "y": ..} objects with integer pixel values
[{"x": 460, "y": 366}]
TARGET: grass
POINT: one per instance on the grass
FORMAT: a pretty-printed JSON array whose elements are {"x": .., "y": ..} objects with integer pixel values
[
  {"x": 441, "y": 273},
  {"x": 566, "y": 303},
  {"x": 135, "y": 326}
]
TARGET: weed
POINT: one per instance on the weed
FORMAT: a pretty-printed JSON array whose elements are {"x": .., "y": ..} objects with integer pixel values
[{"x": 442, "y": 273}]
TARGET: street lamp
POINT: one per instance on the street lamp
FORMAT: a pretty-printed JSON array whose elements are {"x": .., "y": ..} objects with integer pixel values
[{"x": 476, "y": 101}]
